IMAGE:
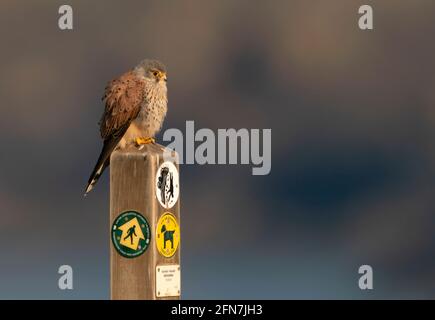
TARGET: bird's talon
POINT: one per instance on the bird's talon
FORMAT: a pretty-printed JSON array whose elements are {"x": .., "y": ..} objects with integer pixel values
[{"x": 142, "y": 141}]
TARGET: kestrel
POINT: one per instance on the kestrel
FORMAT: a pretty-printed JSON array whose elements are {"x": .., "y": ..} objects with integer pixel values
[{"x": 135, "y": 107}]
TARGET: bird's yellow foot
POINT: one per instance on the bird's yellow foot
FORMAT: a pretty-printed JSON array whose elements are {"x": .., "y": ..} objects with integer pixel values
[{"x": 141, "y": 141}]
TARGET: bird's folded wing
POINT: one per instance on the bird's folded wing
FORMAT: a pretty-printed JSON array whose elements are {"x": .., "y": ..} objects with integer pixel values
[{"x": 123, "y": 98}]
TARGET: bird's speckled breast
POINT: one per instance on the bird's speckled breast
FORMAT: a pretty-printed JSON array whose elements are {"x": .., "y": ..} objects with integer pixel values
[{"x": 153, "y": 111}]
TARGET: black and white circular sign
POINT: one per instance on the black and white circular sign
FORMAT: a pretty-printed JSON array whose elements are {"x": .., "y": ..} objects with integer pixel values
[{"x": 167, "y": 184}]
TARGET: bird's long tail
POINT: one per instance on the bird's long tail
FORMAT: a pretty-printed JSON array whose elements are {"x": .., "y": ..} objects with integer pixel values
[{"x": 102, "y": 163}]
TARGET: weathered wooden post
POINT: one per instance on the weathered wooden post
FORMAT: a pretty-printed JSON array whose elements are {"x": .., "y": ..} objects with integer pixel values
[{"x": 144, "y": 220}]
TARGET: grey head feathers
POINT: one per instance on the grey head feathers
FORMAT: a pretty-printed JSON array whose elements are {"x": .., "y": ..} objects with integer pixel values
[{"x": 148, "y": 65}]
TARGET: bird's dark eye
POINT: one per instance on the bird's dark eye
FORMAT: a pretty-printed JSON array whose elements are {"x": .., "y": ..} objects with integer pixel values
[{"x": 155, "y": 73}]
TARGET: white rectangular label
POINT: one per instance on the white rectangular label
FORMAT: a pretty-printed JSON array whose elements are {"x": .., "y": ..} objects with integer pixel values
[{"x": 168, "y": 280}]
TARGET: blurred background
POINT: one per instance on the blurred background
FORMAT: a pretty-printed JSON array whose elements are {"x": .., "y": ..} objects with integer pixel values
[{"x": 353, "y": 160}]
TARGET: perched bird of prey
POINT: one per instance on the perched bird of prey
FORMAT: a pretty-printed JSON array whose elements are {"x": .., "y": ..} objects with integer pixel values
[{"x": 135, "y": 107}]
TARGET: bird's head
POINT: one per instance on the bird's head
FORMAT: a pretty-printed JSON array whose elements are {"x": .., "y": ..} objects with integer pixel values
[{"x": 152, "y": 70}]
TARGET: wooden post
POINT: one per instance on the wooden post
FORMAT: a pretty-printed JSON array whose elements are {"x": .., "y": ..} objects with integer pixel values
[{"x": 141, "y": 182}]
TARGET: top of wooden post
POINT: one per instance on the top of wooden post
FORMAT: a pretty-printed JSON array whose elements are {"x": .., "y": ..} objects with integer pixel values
[{"x": 153, "y": 148}]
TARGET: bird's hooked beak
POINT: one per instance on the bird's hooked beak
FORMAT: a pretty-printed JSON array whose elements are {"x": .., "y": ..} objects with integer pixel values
[{"x": 162, "y": 76}]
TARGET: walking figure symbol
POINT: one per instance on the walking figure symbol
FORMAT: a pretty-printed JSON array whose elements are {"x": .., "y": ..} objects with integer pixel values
[{"x": 130, "y": 233}]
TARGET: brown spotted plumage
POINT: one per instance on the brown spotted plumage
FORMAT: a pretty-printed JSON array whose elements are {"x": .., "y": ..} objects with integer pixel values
[
  {"x": 135, "y": 107},
  {"x": 123, "y": 98}
]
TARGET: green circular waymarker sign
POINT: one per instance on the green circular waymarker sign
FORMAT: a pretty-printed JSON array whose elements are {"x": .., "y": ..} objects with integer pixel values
[{"x": 131, "y": 234}]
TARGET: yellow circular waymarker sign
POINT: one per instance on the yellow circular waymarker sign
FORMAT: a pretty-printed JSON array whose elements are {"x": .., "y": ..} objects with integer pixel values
[{"x": 167, "y": 235}]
